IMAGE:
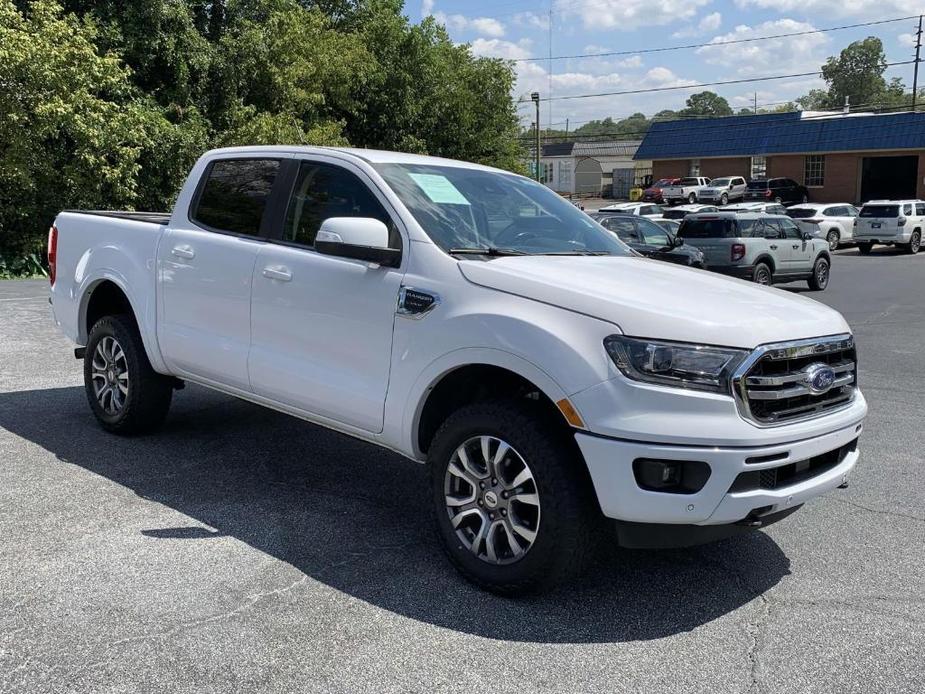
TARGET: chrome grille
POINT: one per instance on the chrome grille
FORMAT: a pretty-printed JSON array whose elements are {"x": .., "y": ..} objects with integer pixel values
[{"x": 789, "y": 381}]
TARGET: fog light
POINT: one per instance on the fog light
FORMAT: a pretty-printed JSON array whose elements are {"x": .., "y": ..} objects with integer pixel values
[{"x": 671, "y": 476}]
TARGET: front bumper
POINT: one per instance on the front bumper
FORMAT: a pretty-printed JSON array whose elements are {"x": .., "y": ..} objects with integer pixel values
[{"x": 610, "y": 462}]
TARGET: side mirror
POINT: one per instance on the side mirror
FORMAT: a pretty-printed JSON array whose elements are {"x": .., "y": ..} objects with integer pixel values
[
  {"x": 676, "y": 241},
  {"x": 358, "y": 238},
  {"x": 807, "y": 236}
]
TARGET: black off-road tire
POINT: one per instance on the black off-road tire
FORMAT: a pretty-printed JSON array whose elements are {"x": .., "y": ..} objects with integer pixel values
[
  {"x": 692, "y": 198},
  {"x": 821, "y": 271},
  {"x": 915, "y": 243},
  {"x": 570, "y": 520},
  {"x": 761, "y": 271},
  {"x": 149, "y": 393}
]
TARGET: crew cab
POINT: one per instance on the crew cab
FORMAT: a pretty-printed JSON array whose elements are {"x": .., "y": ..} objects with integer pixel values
[
  {"x": 686, "y": 190},
  {"x": 892, "y": 223},
  {"x": 472, "y": 320}
]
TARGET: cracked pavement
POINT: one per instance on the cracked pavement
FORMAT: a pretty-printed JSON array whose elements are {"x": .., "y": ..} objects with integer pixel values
[{"x": 241, "y": 549}]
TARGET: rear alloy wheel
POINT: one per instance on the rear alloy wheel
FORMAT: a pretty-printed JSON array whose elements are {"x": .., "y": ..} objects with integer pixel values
[
  {"x": 865, "y": 248},
  {"x": 512, "y": 503},
  {"x": 805, "y": 198},
  {"x": 692, "y": 198},
  {"x": 914, "y": 243},
  {"x": 779, "y": 200},
  {"x": 724, "y": 199},
  {"x": 762, "y": 274},
  {"x": 820, "y": 278},
  {"x": 833, "y": 238}
]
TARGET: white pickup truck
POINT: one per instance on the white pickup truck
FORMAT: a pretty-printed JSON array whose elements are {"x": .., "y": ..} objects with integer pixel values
[
  {"x": 686, "y": 190},
  {"x": 472, "y": 320}
]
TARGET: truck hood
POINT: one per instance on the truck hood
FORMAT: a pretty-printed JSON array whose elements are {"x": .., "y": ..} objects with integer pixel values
[{"x": 649, "y": 298}]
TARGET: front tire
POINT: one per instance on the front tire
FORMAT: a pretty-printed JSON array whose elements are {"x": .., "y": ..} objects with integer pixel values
[
  {"x": 692, "y": 198},
  {"x": 126, "y": 394},
  {"x": 915, "y": 243},
  {"x": 514, "y": 508},
  {"x": 820, "y": 279},
  {"x": 724, "y": 199},
  {"x": 833, "y": 238}
]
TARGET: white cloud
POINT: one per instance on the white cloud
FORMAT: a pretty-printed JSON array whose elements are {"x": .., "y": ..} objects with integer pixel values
[
  {"x": 487, "y": 26},
  {"x": 427, "y": 8},
  {"x": 629, "y": 14},
  {"x": 532, "y": 20},
  {"x": 498, "y": 48},
  {"x": 794, "y": 54},
  {"x": 634, "y": 61},
  {"x": 842, "y": 8},
  {"x": 907, "y": 40},
  {"x": 482, "y": 26},
  {"x": 708, "y": 23}
]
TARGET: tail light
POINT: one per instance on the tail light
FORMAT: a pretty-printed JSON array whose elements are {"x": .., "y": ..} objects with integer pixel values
[
  {"x": 813, "y": 221},
  {"x": 52, "y": 253},
  {"x": 901, "y": 222},
  {"x": 737, "y": 252},
  {"x": 767, "y": 193},
  {"x": 855, "y": 222}
]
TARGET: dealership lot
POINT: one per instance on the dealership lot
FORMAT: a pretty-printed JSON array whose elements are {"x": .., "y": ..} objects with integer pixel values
[{"x": 243, "y": 549}]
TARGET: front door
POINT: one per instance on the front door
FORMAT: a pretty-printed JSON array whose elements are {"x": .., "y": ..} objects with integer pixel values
[
  {"x": 322, "y": 325},
  {"x": 797, "y": 253},
  {"x": 205, "y": 267}
]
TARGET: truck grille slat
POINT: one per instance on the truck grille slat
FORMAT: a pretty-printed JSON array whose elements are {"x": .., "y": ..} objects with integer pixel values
[{"x": 790, "y": 381}]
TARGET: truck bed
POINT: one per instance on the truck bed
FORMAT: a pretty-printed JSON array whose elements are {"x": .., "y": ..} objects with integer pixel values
[{"x": 162, "y": 218}]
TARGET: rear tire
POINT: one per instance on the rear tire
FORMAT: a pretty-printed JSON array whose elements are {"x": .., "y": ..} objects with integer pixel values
[
  {"x": 126, "y": 395},
  {"x": 479, "y": 517},
  {"x": 724, "y": 199},
  {"x": 915, "y": 243},
  {"x": 865, "y": 248},
  {"x": 762, "y": 275},
  {"x": 820, "y": 279},
  {"x": 692, "y": 198},
  {"x": 833, "y": 238},
  {"x": 779, "y": 200}
]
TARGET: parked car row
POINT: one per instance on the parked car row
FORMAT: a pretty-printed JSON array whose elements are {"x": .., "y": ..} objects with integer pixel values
[{"x": 724, "y": 190}]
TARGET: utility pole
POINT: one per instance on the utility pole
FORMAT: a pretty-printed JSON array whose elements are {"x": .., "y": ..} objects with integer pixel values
[
  {"x": 535, "y": 97},
  {"x": 550, "y": 66},
  {"x": 566, "y": 128},
  {"x": 756, "y": 103},
  {"x": 915, "y": 71}
]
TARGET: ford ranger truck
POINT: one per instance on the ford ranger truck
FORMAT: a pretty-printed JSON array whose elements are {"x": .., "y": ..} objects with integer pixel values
[{"x": 471, "y": 320}]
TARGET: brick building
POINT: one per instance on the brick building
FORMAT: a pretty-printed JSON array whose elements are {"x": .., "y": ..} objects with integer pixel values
[{"x": 838, "y": 157}]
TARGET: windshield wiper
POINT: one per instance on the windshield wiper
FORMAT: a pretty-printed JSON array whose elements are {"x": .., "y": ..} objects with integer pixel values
[
  {"x": 578, "y": 253},
  {"x": 487, "y": 250}
]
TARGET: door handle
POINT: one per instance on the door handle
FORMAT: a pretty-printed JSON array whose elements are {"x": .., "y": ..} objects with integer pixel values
[
  {"x": 277, "y": 272},
  {"x": 183, "y": 252},
  {"x": 796, "y": 245},
  {"x": 773, "y": 247}
]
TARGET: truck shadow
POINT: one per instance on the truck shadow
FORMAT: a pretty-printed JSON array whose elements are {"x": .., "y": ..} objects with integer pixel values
[{"x": 356, "y": 518}]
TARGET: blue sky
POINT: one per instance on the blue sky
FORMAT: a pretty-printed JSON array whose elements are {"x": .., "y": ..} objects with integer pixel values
[{"x": 517, "y": 29}]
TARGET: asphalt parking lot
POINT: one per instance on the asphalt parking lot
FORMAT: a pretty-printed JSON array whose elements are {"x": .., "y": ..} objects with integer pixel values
[{"x": 243, "y": 550}]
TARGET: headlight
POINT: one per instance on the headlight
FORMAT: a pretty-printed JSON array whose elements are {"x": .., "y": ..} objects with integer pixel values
[{"x": 677, "y": 364}]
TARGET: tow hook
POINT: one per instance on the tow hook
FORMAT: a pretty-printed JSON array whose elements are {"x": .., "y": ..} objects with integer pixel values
[{"x": 79, "y": 352}]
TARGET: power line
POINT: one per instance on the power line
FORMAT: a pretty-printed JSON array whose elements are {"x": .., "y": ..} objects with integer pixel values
[
  {"x": 649, "y": 90},
  {"x": 714, "y": 43}
]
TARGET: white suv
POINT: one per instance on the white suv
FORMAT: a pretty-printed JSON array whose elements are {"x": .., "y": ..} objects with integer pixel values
[{"x": 892, "y": 223}]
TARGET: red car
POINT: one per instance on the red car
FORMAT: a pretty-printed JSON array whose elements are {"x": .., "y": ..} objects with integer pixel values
[{"x": 654, "y": 192}]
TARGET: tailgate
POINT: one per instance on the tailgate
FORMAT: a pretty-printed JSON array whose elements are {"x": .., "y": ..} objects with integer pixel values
[
  {"x": 876, "y": 226},
  {"x": 715, "y": 251}
]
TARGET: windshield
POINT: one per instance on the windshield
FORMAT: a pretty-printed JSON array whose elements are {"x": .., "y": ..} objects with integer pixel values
[
  {"x": 462, "y": 208},
  {"x": 719, "y": 182},
  {"x": 801, "y": 213},
  {"x": 880, "y": 211}
]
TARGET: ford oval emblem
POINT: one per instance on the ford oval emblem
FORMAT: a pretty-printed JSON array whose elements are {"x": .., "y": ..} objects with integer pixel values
[{"x": 820, "y": 378}]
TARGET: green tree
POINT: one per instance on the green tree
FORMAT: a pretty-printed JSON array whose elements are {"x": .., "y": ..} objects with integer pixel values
[
  {"x": 857, "y": 73},
  {"x": 706, "y": 103}
]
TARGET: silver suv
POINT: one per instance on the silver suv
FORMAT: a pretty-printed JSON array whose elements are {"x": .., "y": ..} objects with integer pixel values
[
  {"x": 724, "y": 190},
  {"x": 764, "y": 248}
]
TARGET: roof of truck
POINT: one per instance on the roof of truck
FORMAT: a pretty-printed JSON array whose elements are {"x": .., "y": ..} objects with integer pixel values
[{"x": 372, "y": 156}]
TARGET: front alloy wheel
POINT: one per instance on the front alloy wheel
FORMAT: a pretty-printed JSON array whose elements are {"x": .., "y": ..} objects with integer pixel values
[
  {"x": 109, "y": 375},
  {"x": 492, "y": 500},
  {"x": 832, "y": 238}
]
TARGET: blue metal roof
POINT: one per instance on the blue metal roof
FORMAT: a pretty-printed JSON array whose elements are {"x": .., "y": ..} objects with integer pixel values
[{"x": 781, "y": 133}]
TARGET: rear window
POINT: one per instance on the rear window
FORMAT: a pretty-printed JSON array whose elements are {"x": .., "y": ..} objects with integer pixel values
[
  {"x": 700, "y": 228},
  {"x": 757, "y": 185},
  {"x": 674, "y": 214},
  {"x": 880, "y": 211},
  {"x": 235, "y": 194},
  {"x": 689, "y": 182},
  {"x": 800, "y": 213}
]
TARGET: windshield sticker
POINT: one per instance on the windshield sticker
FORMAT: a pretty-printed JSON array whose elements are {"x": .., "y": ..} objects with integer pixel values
[{"x": 439, "y": 189}]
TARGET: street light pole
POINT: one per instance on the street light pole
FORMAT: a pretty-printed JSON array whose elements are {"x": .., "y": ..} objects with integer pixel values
[{"x": 535, "y": 97}]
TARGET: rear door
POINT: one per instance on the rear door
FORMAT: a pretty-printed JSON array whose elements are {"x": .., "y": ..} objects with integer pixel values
[
  {"x": 322, "y": 325},
  {"x": 205, "y": 265}
]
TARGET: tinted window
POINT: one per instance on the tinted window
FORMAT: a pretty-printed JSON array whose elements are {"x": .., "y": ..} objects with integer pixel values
[
  {"x": 880, "y": 211},
  {"x": 719, "y": 182},
  {"x": 757, "y": 185},
  {"x": 674, "y": 214},
  {"x": 700, "y": 228},
  {"x": 907, "y": 209},
  {"x": 800, "y": 212},
  {"x": 622, "y": 227},
  {"x": 235, "y": 194},
  {"x": 791, "y": 230},
  {"x": 322, "y": 191},
  {"x": 689, "y": 181},
  {"x": 920, "y": 208},
  {"x": 652, "y": 234},
  {"x": 832, "y": 211}
]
